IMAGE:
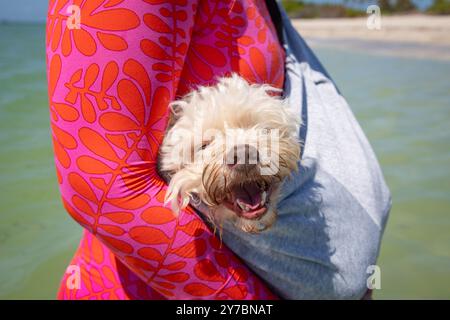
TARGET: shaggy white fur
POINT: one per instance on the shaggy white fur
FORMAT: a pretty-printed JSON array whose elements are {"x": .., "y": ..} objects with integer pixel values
[{"x": 230, "y": 146}]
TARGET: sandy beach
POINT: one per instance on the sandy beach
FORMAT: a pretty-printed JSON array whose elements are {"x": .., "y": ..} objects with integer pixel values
[{"x": 419, "y": 36}]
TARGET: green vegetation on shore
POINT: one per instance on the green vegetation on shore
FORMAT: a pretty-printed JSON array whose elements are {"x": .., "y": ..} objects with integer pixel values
[
  {"x": 440, "y": 7},
  {"x": 353, "y": 8},
  {"x": 302, "y": 9}
]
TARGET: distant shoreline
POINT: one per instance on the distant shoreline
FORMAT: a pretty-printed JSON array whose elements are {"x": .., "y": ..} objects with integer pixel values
[
  {"x": 417, "y": 36},
  {"x": 414, "y": 36},
  {"x": 407, "y": 28}
]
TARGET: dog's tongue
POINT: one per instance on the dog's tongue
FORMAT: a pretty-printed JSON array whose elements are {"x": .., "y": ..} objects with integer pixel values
[{"x": 249, "y": 193}]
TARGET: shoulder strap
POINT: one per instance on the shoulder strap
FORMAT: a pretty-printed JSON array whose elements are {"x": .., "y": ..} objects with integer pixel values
[{"x": 275, "y": 14}]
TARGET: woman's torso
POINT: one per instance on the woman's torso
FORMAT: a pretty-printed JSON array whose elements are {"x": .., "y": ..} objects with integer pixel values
[
  {"x": 228, "y": 36},
  {"x": 233, "y": 36}
]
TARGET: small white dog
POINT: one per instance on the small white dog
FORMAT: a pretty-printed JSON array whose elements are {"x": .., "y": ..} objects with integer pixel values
[{"x": 229, "y": 146}]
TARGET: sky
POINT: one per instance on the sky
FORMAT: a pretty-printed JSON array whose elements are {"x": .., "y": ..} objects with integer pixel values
[
  {"x": 35, "y": 10},
  {"x": 23, "y": 10}
]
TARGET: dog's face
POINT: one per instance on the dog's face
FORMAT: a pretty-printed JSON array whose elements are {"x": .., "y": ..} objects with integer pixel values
[{"x": 230, "y": 147}]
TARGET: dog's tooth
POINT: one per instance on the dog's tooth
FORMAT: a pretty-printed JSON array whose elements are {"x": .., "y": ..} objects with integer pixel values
[
  {"x": 241, "y": 205},
  {"x": 261, "y": 226},
  {"x": 263, "y": 198},
  {"x": 245, "y": 207}
]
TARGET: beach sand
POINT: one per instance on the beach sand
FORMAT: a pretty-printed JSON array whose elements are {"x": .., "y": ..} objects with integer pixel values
[{"x": 418, "y": 36}]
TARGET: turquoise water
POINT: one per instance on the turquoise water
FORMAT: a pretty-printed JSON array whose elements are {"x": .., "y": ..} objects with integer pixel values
[
  {"x": 407, "y": 122},
  {"x": 37, "y": 238},
  {"x": 406, "y": 119}
]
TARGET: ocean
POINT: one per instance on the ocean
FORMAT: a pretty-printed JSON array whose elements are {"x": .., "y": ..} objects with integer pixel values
[{"x": 402, "y": 104}]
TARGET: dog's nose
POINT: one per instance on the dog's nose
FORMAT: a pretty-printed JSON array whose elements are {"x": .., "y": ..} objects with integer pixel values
[{"x": 242, "y": 156}]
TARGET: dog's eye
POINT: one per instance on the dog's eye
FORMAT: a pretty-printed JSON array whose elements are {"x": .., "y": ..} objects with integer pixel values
[
  {"x": 265, "y": 131},
  {"x": 204, "y": 145}
]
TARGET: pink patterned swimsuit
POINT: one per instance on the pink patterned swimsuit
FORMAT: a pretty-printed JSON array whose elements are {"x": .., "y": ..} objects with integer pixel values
[{"x": 110, "y": 82}]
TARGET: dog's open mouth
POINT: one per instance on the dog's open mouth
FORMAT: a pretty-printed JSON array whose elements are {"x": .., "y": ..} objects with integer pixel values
[{"x": 249, "y": 200}]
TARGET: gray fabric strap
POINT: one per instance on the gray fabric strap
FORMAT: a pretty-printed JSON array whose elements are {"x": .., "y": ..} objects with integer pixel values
[{"x": 332, "y": 214}]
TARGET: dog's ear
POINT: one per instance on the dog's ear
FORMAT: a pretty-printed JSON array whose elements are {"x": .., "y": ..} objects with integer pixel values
[
  {"x": 175, "y": 112},
  {"x": 176, "y": 109},
  {"x": 177, "y": 199},
  {"x": 272, "y": 91}
]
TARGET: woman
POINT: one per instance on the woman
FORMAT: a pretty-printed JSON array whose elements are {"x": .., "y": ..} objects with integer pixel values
[{"x": 110, "y": 82}]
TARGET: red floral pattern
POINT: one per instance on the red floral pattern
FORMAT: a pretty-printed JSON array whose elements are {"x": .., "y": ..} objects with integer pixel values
[{"x": 110, "y": 82}]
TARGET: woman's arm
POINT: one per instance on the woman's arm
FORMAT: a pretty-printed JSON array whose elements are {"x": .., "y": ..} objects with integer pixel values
[{"x": 110, "y": 82}]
